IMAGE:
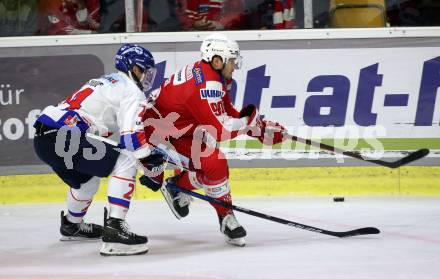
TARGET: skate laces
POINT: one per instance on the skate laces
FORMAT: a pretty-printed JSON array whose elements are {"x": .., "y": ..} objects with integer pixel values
[
  {"x": 126, "y": 228},
  {"x": 85, "y": 227},
  {"x": 230, "y": 222},
  {"x": 182, "y": 199}
]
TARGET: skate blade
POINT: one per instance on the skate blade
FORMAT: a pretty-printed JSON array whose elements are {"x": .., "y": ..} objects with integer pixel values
[
  {"x": 169, "y": 201},
  {"x": 240, "y": 242},
  {"x": 78, "y": 238},
  {"x": 119, "y": 249}
]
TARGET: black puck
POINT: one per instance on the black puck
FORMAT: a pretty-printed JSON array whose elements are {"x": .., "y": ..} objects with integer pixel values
[{"x": 338, "y": 199}]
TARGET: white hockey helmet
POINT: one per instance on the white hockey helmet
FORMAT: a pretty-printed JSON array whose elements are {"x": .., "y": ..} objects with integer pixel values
[{"x": 218, "y": 44}]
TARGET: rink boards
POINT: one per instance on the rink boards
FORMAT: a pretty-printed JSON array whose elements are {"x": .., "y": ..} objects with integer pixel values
[
  {"x": 368, "y": 90},
  {"x": 375, "y": 89},
  {"x": 259, "y": 182}
]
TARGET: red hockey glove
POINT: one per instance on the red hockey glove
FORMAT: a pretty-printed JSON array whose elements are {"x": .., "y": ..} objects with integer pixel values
[
  {"x": 251, "y": 112},
  {"x": 271, "y": 132}
]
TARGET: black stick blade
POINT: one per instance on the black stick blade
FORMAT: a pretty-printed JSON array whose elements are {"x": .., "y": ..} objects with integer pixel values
[
  {"x": 419, "y": 154},
  {"x": 361, "y": 231}
]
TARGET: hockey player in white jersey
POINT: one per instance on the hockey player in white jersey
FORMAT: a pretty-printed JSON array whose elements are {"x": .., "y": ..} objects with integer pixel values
[{"x": 111, "y": 104}]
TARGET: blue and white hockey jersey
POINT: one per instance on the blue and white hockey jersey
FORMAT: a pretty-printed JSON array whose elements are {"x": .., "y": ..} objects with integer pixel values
[{"x": 104, "y": 106}]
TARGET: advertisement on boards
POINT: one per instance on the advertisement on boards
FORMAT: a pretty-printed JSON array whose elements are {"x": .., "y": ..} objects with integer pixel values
[
  {"x": 27, "y": 85},
  {"x": 354, "y": 93},
  {"x": 391, "y": 89}
]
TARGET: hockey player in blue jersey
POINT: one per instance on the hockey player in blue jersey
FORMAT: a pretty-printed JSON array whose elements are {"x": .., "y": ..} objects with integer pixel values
[{"x": 111, "y": 104}]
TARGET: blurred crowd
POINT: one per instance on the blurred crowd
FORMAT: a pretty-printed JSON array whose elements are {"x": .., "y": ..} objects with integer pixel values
[{"x": 69, "y": 17}]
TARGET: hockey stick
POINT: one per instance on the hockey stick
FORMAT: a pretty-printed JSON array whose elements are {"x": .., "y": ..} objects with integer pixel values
[
  {"x": 361, "y": 231},
  {"x": 411, "y": 157},
  {"x": 172, "y": 160}
]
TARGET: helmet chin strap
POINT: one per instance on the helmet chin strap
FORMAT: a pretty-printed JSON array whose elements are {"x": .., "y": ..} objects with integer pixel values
[{"x": 134, "y": 77}]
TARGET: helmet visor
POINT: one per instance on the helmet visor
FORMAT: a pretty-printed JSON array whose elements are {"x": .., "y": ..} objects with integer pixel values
[
  {"x": 238, "y": 62},
  {"x": 147, "y": 78}
]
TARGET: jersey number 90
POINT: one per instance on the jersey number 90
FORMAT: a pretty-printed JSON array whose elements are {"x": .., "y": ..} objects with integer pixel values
[{"x": 218, "y": 108}]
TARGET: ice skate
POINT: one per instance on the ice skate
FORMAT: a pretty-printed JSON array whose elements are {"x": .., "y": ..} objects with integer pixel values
[
  {"x": 177, "y": 201},
  {"x": 78, "y": 231},
  {"x": 233, "y": 231},
  {"x": 119, "y": 241}
]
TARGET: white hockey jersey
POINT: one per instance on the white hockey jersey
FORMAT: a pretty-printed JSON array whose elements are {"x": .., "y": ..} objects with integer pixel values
[{"x": 104, "y": 106}]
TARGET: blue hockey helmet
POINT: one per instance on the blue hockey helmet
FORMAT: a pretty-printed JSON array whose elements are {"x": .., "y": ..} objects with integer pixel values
[{"x": 130, "y": 55}]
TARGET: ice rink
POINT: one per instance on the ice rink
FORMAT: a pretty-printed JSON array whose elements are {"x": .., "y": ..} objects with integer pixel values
[{"x": 408, "y": 246}]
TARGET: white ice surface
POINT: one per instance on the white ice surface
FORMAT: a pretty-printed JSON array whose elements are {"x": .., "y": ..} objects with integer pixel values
[{"x": 408, "y": 246}]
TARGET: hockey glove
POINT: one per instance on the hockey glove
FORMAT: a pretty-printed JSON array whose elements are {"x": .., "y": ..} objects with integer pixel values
[
  {"x": 270, "y": 132},
  {"x": 251, "y": 112},
  {"x": 154, "y": 166}
]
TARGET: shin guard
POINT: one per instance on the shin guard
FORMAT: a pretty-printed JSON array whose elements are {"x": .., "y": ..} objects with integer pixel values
[{"x": 79, "y": 200}]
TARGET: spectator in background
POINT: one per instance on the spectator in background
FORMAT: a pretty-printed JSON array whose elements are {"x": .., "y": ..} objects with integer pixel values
[
  {"x": 405, "y": 13},
  {"x": 161, "y": 15},
  {"x": 68, "y": 17},
  {"x": 284, "y": 14},
  {"x": 413, "y": 12},
  {"x": 431, "y": 12},
  {"x": 112, "y": 16},
  {"x": 261, "y": 16},
  {"x": 272, "y": 14},
  {"x": 113, "y": 19},
  {"x": 204, "y": 15},
  {"x": 17, "y": 18}
]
